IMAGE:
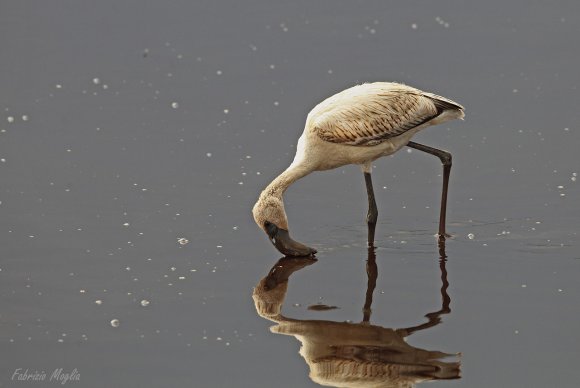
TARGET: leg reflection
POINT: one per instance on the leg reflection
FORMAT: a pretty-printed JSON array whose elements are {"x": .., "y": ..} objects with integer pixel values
[{"x": 372, "y": 274}]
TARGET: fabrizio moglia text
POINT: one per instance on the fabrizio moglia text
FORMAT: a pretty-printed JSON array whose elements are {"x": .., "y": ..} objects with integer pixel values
[{"x": 57, "y": 376}]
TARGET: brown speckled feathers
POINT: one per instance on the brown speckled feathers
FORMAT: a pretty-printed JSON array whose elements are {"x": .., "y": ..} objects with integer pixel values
[{"x": 368, "y": 114}]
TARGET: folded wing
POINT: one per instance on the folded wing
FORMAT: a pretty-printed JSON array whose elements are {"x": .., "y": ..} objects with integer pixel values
[{"x": 369, "y": 117}]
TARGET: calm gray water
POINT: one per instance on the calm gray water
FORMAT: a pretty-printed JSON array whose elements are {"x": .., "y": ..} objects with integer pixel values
[{"x": 126, "y": 126}]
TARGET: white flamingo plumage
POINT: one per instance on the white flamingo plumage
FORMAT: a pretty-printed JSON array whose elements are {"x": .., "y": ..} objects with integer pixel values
[{"x": 356, "y": 126}]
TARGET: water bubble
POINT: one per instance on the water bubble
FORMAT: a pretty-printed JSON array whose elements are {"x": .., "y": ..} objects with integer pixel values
[
  {"x": 115, "y": 322},
  {"x": 414, "y": 26},
  {"x": 145, "y": 303},
  {"x": 98, "y": 302},
  {"x": 175, "y": 105},
  {"x": 182, "y": 241},
  {"x": 10, "y": 119},
  {"x": 471, "y": 236},
  {"x": 24, "y": 118},
  {"x": 96, "y": 81}
]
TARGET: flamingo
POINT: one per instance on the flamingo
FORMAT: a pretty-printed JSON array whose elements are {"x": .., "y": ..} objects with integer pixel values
[{"x": 356, "y": 126}]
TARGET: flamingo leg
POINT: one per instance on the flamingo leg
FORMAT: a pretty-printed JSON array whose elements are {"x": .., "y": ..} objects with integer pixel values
[
  {"x": 445, "y": 158},
  {"x": 373, "y": 212}
]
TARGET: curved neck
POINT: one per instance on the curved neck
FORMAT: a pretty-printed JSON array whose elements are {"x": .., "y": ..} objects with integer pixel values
[{"x": 279, "y": 185}]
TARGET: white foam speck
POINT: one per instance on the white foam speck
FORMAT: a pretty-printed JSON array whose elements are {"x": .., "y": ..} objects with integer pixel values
[{"x": 115, "y": 323}]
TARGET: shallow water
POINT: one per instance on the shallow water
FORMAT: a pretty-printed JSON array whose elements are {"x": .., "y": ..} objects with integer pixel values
[{"x": 126, "y": 127}]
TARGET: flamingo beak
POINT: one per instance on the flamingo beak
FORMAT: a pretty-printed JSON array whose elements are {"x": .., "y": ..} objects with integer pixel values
[{"x": 284, "y": 243}]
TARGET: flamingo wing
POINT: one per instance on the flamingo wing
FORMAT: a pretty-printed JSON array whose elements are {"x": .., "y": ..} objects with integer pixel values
[{"x": 369, "y": 118}]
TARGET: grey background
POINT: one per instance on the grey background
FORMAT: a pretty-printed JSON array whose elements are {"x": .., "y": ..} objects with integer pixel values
[{"x": 92, "y": 157}]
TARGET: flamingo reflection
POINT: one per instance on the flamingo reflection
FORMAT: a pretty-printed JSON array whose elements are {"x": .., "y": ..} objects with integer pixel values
[{"x": 344, "y": 354}]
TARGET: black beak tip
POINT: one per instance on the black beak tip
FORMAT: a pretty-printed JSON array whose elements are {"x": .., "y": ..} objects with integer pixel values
[
  {"x": 281, "y": 239},
  {"x": 271, "y": 229}
]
